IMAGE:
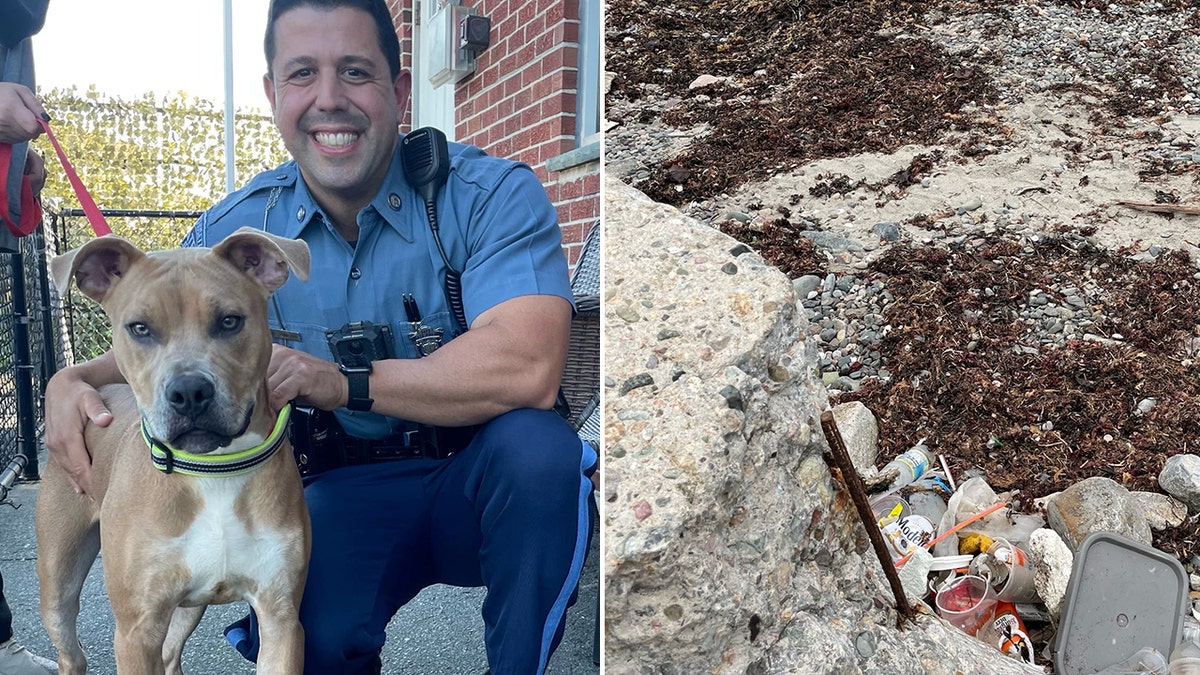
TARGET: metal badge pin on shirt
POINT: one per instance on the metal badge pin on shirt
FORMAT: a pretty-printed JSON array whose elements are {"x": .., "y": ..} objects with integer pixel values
[
  {"x": 426, "y": 338},
  {"x": 284, "y": 335}
]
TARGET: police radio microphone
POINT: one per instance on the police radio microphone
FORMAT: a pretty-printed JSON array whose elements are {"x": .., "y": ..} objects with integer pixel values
[{"x": 425, "y": 158}]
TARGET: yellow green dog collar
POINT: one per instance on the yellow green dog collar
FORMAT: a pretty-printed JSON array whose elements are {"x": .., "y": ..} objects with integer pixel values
[{"x": 170, "y": 460}]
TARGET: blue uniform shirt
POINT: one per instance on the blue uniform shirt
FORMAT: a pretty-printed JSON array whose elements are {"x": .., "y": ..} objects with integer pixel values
[{"x": 496, "y": 223}]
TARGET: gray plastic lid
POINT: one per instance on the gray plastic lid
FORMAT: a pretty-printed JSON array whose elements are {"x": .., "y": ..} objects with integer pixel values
[{"x": 1122, "y": 596}]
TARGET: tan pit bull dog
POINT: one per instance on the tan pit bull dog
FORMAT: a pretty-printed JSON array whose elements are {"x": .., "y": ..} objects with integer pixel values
[{"x": 195, "y": 493}]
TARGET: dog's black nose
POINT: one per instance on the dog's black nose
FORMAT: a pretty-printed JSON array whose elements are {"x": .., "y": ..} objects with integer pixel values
[{"x": 189, "y": 395}]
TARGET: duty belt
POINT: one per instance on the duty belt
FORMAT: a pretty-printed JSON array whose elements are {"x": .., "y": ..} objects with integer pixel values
[
  {"x": 320, "y": 443},
  {"x": 414, "y": 444}
]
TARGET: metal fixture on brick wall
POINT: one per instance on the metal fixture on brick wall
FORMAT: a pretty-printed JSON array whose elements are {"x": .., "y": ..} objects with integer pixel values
[{"x": 460, "y": 34}]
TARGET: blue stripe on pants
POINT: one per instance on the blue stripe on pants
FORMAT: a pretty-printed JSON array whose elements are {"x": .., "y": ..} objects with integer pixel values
[{"x": 554, "y": 621}]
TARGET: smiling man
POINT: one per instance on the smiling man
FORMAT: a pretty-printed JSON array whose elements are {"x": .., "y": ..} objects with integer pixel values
[{"x": 441, "y": 461}]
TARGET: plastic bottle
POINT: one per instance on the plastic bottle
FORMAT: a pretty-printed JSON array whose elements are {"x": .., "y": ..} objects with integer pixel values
[
  {"x": 1007, "y": 633},
  {"x": 1185, "y": 660},
  {"x": 1146, "y": 660},
  {"x": 911, "y": 465},
  {"x": 1191, "y": 629}
]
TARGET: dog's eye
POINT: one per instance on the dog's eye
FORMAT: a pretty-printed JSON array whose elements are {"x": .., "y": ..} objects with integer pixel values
[
  {"x": 231, "y": 323},
  {"x": 139, "y": 330}
]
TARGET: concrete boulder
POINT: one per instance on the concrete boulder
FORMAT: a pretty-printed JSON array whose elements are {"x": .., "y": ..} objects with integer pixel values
[{"x": 728, "y": 549}]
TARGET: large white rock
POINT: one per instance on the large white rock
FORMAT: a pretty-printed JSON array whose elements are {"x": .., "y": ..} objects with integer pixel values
[
  {"x": 1052, "y": 560},
  {"x": 860, "y": 432},
  {"x": 1097, "y": 504}
]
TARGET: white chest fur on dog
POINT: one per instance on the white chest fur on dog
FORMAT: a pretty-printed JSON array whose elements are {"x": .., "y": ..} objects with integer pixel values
[{"x": 225, "y": 559}]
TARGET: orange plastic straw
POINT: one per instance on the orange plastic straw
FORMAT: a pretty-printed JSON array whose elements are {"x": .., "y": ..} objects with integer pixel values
[{"x": 982, "y": 514}]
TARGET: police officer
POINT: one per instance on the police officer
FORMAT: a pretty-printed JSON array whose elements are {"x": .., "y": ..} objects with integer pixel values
[{"x": 448, "y": 465}]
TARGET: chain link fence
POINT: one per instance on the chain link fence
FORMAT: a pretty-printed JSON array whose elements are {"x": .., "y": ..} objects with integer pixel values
[
  {"x": 41, "y": 331},
  {"x": 29, "y": 354},
  {"x": 85, "y": 324}
]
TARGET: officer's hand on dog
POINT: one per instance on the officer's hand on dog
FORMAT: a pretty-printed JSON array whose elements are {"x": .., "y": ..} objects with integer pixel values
[
  {"x": 71, "y": 404},
  {"x": 19, "y": 113},
  {"x": 311, "y": 381}
]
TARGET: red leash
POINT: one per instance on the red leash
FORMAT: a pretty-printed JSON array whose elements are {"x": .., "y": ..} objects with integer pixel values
[{"x": 99, "y": 225}]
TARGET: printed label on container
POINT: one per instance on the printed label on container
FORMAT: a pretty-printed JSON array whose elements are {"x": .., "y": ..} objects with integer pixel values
[
  {"x": 915, "y": 460},
  {"x": 1011, "y": 637},
  {"x": 907, "y": 534}
]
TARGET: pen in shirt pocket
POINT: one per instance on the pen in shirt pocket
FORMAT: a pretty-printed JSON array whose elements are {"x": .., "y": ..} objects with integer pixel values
[{"x": 427, "y": 339}]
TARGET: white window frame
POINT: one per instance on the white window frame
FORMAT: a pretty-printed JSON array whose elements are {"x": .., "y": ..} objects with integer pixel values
[{"x": 587, "y": 100}]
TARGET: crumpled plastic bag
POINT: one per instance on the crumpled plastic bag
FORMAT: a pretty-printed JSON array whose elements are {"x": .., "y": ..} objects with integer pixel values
[{"x": 975, "y": 496}]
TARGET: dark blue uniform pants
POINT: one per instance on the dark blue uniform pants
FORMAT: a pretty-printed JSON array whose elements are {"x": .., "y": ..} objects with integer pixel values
[{"x": 510, "y": 512}]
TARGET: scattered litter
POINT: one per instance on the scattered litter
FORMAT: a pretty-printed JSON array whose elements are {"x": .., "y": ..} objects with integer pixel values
[
  {"x": 1007, "y": 566},
  {"x": 1147, "y": 661},
  {"x": 904, "y": 469},
  {"x": 1114, "y": 608},
  {"x": 956, "y": 528},
  {"x": 967, "y": 602},
  {"x": 1007, "y": 632},
  {"x": 946, "y": 469},
  {"x": 1185, "y": 660}
]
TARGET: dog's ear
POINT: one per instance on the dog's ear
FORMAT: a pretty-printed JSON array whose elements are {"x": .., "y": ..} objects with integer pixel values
[
  {"x": 265, "y": 256},
  {"x": 96, "y": 266}
]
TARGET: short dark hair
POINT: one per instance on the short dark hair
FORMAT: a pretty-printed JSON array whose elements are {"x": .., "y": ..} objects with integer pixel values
[{"x": 385, "y": 30}]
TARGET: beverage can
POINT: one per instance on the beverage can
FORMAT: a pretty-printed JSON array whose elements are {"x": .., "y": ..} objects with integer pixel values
[{"x": 905, "y": 535}]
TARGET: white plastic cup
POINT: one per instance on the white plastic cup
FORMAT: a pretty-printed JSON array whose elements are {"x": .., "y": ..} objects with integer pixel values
[
  {"x": 1019, "y": 586},
  {"x": 967, "y": 602}
]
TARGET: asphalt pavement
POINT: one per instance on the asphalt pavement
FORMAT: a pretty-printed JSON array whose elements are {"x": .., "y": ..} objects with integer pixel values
[{"x": 439, "y": 633}]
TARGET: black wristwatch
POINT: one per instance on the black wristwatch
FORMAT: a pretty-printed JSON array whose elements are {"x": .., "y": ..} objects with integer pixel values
[{"x": 359, "y": 378}]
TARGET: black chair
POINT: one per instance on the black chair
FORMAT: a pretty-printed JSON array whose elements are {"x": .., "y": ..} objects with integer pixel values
[{"x": 581, "y": 376}]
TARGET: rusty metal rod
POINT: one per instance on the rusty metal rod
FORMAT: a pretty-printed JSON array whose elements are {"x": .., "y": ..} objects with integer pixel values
[{"x": 858, "y": 494}]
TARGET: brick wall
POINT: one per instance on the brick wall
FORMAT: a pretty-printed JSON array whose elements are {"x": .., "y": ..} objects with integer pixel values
[
  {"x": 402, "y": 17},
  {"x": 520, "y": 102},
  {"x": 576, "y": 194}
]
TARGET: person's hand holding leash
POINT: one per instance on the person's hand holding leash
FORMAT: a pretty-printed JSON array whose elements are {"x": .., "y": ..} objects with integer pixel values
[{"x": 19, "y": 113}]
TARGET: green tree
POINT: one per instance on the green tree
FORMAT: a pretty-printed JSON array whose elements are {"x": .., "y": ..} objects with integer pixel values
[
  {"x": 151, "y": 153},
  {"x": 148, "y": 154}
]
